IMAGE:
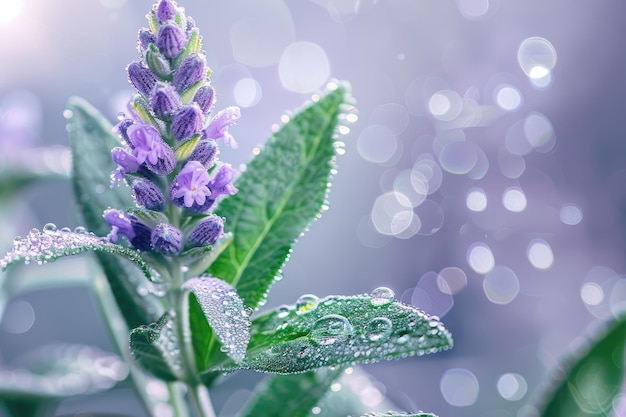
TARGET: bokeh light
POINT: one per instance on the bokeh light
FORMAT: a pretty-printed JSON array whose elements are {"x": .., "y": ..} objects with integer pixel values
[
  {"x": 514, "y": 199},
  {"x": 501, "y": 285},
  {"x": 377, "y": 143},
  {"x": 451, "y": 280},
  {"x": 476, "y": 199},
  {"x": 19, "y": 317},
  {"x": 537, "y": 57},
  {"x": 247, "y": 92},
  {"x": 511, "y": 165},
  {"x": 458, "y": 157},
  {"x": 508, "y": 97},
  {"x": 571, "y": 214},
  {"x": 512, "y": 386},
  {"x": 445, "y": 105},
  {"x": 10, "y": 10},
  {"x": 303, "y": 67},
  {"x": 591, "y": 293},
  {"x": 539, "y": 132},
  {"x": 459, "y": 387},
  {"x": 392, "y": 215},
  {"x": 480, "y": 258},
  {"x": 429, "y": 297},
  {"x": 473, "y": 9},
  {"x": 540, "y": 254}
]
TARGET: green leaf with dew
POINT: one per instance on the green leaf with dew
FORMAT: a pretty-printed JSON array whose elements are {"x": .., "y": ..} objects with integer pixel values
[
  {"x": 339, "y": 330},
  {"x": 289, "y": 395},
  {"x": 586, "y": 384},
  {"x": 92, "y": 139},
  {"x": 51, "y": 244},
  {"x": 155, "y": 348},
  {"x": 281, "y": 191},
  {"x": 222, "y": 310}
]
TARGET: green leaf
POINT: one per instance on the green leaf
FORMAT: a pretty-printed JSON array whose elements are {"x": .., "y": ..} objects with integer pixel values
[
  {"x": 51, "y": 244},
  {"x": 59, "y": 371},
  {"x": 587, "y": 383},
  {"x": 222, "y": 310},
  {"x": 281, "y": 191},
  {"x": 399, "y": 414},
  {"x": 92, "y": 139},
  {"x": 337, "y": 331},
  {"x": 154, "y": 348},
  {"x": 289, "y": 395}
]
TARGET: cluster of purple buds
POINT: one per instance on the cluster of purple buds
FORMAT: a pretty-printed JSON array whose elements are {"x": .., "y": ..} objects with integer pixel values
[{"x": 170, "y": 146}]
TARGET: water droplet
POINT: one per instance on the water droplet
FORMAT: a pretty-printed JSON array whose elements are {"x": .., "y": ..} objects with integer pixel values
[
  {"x": 282, "y": 311},
  {"x": 80, "y": 230},
  {"x": 306, "y": 303},
  {"x": 330, "y": 329},
  {"x": 121, "y": 116},
  {"x": 50, "y": 227},
  {"x": 382, "y": 296},
  {"x": 379, "y": 329},
  {"x": 67, "y": 113}
]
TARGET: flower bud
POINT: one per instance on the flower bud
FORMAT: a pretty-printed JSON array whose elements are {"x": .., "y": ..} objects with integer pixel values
[
  {"x": 189, "y": 72},
  {"x": 204, "y": 152},
  {"x": 190, "y": 25},
  {"x": 148, "y": 195},
  {"x": 222, "y": 182},
  {"x": 144, "y": 38},
  {"x": 187, "y": 122},
  {"x": 165, "y": 11},
  {"x": 166, "y": 239},
  {"x": 171, "y": 40},
  {"x": 165, "y": 101},
  {"x": 207, "y": 231},
  {"x": 157, "y": 63},
  {"x": 205, "y": 96},
  {"x": 141, "y": 77}
]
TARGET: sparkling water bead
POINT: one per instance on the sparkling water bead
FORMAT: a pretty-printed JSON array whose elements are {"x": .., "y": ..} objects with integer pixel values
[
  {"x": 306, "y": 303},
  {"x": 382, "y": 296},
  {"x": 330, "y": 329}
]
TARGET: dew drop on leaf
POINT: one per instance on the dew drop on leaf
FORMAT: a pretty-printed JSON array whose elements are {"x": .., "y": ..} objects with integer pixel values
[
  {"x": 50, "y": 227},
  {"x": 306, "y": 303},
  {"x": 382, "y": 296},
  {"x": 379, "y": 329},
  {"x": 330, "y": 329}
]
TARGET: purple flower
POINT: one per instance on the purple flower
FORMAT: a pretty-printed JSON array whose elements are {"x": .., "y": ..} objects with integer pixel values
[
  {"x": 171, "y": 40},
  {"x": 189, "y": 72},
  {"x": 148, "y": 195},
  {"x": 207, "y": 231},
  {"x": 218, "y": 127},
  {"x": 147, "y": 143},
  {"x": 165, "y": 11},
  {"x": 164, "y": 101},
  {"x": 137, "y": 232},
  {"x": 126, "y": 163},
  {"x": 222, "y": 182},
  {"x": 187, "y": 122},
  {"x": 204, "y": 152},
  {"x": 190, "y": 185},
  {"x": 204, "y": 97},
  {"x": 141, "y": 77},
  {"x": 166, "y": 239},
  {"x": 144, "y": 38}
]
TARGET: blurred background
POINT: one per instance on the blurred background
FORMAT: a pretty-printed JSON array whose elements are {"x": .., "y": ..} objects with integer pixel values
[{"x": 483, "y": 180}]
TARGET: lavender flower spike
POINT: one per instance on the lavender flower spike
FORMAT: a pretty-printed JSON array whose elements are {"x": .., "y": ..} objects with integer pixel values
[
  {"x": 148, "y": 195},
  {"x": 141, "y": 77},
  {"x": 218, "y": 127},
  {"x": 164, "y": 101},
  {"x": 189, "y": 72},
  {"x": 205, "y": 96},
  {"x": 190, "y": 185},
  {"x": 187, "y": 122}
]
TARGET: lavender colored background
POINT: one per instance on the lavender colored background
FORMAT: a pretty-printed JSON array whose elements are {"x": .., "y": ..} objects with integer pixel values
[{"x": 404, "y": 59}]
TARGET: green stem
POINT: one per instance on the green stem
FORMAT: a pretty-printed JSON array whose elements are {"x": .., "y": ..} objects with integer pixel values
[{"x": 198, "y": 394}]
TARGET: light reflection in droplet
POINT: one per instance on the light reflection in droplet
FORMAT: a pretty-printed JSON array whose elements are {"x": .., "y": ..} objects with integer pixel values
[
  {"x": 377, "y": 143},
  {"x": 303, "y": 67},
  {"x": 476, "y": 199},
  {"x": 514, "y": 199},
  {"x": 445, "y": 105},
  {"x": 536, "y": 56},
  {"x": 458, "y": 157},
  {"x": 512, "y": 386},
  {"x": 540, "y": 254},
  {"x": 571, "y": 214},
  {"x": 451, "y": 280},
  {"x": 511, "y": 165},
  {"x": 473, "y": 9},
  {"x": 501, "y": 285},
  {"x": 480, "y": 258},
  {"x": 539, "y": 132},
  {"x": 18, "y": 318},
  {"x": 591, "y": 293},
  {"x": 508, "y": 97},
  {"x": 247, "y": 92},
  {"x": 459, "y": 387}
]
